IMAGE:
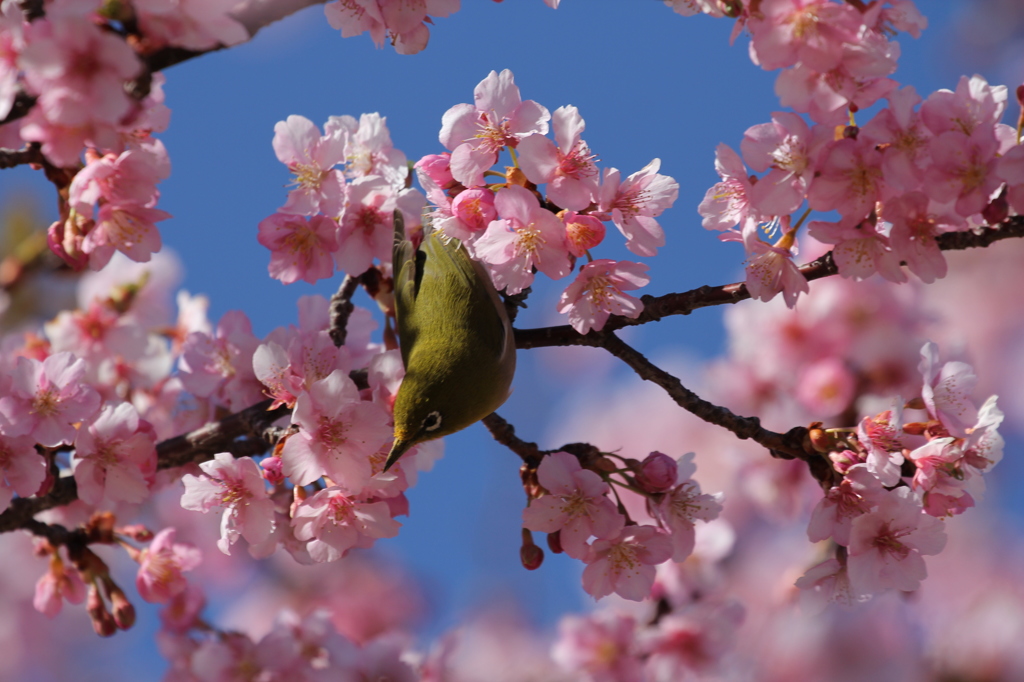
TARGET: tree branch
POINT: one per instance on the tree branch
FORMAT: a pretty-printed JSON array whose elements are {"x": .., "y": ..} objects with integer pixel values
[
  {"x": 341, "y": 308},
  {"x": 243, "y": 434},
  {"x": 252, "y": 14},
  {"x": 657, "y": 307},
  {"x": 32, "y": 153},
  {"x": 505, "y": 434},
  {"x": 784, "y": 446}
]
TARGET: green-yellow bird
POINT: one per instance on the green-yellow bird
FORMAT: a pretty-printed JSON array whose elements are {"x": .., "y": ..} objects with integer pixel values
[{"x": 455, "y": 337}]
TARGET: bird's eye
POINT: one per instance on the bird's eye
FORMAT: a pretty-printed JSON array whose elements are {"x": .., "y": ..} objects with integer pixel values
[{"x": 432, "y": 422}]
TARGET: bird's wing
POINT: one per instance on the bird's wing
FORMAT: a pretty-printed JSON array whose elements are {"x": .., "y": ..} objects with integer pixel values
[
  {"x": 407, "y": 276},
  {"x": 467, "y": 286}
]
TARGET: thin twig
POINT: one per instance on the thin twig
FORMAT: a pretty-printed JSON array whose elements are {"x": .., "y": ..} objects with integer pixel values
[
  {"x": 242, "y": 434},
  {"x": 505, "y": 434},
  {"x": 789, "y": 445},
  {"x": 32, "y": 153},
  {"x": 341, "y": 309}
]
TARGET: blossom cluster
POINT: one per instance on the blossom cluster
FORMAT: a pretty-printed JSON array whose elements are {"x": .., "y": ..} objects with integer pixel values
[
  {"x": 350, "y": 179},
  {"x": 899, "y": 479},
  {"x": 916, "y": 169},
  {"x": 92, "y": 395},
  {"x": 343, "y": 433},
  {"x": 403, "y": 24},
  {"x": 573, "y": 506},
  {"x": 515, "y": 230},
  {"x": 81, "y": 73}
]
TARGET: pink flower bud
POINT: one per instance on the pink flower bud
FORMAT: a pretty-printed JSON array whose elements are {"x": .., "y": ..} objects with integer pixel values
[
  {"x": 436, "y": 167},
  {"x": 475, "y": 207},
  {"x": 657, "y": 473},
  {"x": 555, "y": 542},
  {"x": 124, "y": 612},
  {"x": 272, "y": 470},
  {"x": 136, "y": 532},
  {"x": 582, "y": 232},
  {"x": 843, "y": 461}
]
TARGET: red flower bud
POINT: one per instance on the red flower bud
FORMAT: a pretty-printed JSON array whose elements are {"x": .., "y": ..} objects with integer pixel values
[{"x": 657, "y": 473}]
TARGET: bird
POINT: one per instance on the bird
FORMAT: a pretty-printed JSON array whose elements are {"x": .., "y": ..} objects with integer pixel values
[{"x": 455, "y": 338}]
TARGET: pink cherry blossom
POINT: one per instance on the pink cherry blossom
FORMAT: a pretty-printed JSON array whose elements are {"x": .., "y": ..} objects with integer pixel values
[
  {"x": 319, "y": 188},
  {"x": 826, "y": 387},
  {"x": 11, "y": 43},
  {"x": 220, "y": 365},
  {"x": 406, "y": 22},
  {"x": 300, "y": 248},
  {"x": 635, "y": 202},
  {"x": 115, "y": 457},
  {"x": 947, "y": 391},
  {"x": 191, "y": 24},
  {"x": 888, "y": 545},
  {"x": 728, "y": 203},
  {"x": 309, "y": 357},
  {"x": 625, "y": 564},
  {"x": 78, "y": 70},
  {"x": 849, "y": 179},
  {"x": 770, "y": 268},
  {"x": 161, "y": 566},
  {"x": 808, "y": 31},
  {"x": 692, "y": 641},
  {"x": 127, "y": 178},
  {"x": 824, "y": 584},
  {"x": 498, "y": 118},
  {"x": 60, "y": 582},
  {"x": 963, "y": 168},
  {"x": 339, "y": 433},
  {"x": 597, "y": 292},
  {"x": 916, "y": 223},
  {"x": 333, "y": 522},
  {"x": 435, "y": 169},
  {"x": 237, "y": 486},
  {"x": 576, "y": 505},
  {"x": 368, "y": 148},
  {"x": 939, "y": 468},
  {"x": 1010, "y": 168},
  {"x": 525, "y": 237},
  {"x": 787, "y": 148},
  {"x": 902, "y": 15},
  {"x": 183, "y": 610},
  {"x": 128, "y": 228},
  {"x": 568, "y": 168},
  {"x": 475, "y": 209},
  {"x": 881, "y": 437},
  {"x": 22, "y": 469},
  {"x": 365, "y": 231},
  {"x": 601, "y": 645},
  {"x": 857, "y": 494},
  {"x": 862, "y": 248},
  {"x": 682, "y": 506},
  {"x": 974, "y": 106},
  {"x": 582, "y": 232},
  {"x": 904, "y": 139},
  {"x": 46, "y": 399},
  {"x": 96, "y": 333},
  {"x": 983, "y": 447},
  {"x": 688, "y": 8},
  {"x": 308, "y": 649},
  {"x": 855, "y": 83}
]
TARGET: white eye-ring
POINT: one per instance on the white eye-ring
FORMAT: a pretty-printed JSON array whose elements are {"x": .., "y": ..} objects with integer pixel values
[{"x": 432, "y": 422}]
